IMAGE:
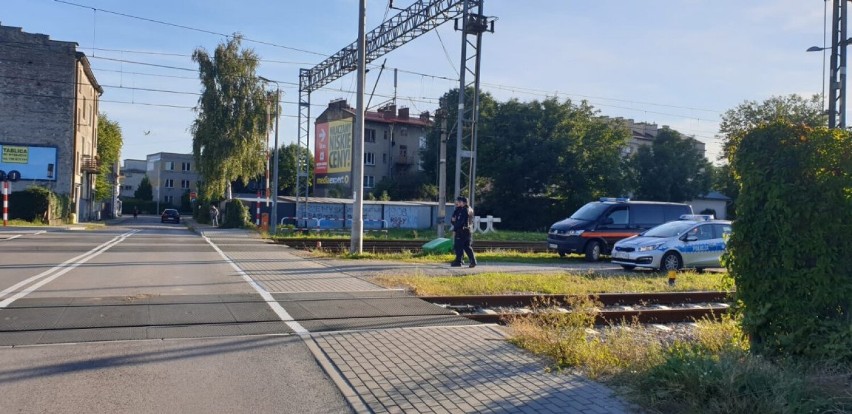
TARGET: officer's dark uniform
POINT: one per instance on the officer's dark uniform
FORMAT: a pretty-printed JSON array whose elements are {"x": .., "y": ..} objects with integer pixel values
[{"x": 462, "y": 221}]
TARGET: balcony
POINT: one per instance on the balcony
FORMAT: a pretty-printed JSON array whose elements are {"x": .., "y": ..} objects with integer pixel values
[
  {"x": 404, "y": 160},
  {"x": 90, "y": 164}
]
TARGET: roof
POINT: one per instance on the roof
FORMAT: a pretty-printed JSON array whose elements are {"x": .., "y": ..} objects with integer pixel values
[{"x": 714, "y": 195}]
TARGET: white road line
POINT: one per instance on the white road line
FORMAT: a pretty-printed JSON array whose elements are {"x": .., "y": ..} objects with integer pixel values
[
  {"x": 21, "y": 235},
  {"x": 12, "y": 238},
  {"x": 53, "y": 273},
  {"x": 276, "y": 307}
]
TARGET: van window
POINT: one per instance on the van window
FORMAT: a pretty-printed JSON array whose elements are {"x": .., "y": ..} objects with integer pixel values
[
  {"x": 590, "y": 212},
  {"x": 673, "y": 212},
  {"x": 647, "y": 215},
  {"x": 620, "y": 217}
]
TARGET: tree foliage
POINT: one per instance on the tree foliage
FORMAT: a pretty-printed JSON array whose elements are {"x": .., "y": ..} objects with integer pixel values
[
  {"x": 670, "y": 169},
  {"x": 287, "y": 168},
  {"x": 229, "y": 135},
  {"x": 109, "y": 151},
  {"x": 790, "y": 249},
  {"x": 145, "y": 191}
]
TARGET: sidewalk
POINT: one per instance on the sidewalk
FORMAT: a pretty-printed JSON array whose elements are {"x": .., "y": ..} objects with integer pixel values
[{"x": 389, "y": 352}]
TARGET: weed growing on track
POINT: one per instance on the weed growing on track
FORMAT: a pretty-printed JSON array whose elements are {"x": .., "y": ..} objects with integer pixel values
[
  {"x": 712, "y": 372},
  {"x": 550, "y": 283}
]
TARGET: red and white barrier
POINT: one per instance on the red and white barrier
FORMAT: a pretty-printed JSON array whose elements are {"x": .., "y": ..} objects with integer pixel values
[
  {"x": 5, "y": 203},
  {"x": 257, "y": 210}
]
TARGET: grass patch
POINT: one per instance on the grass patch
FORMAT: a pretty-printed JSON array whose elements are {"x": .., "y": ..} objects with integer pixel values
[
  {"x": 402, "y": 234},
  {"x": 712, "y": 372},
  {"x": 491, "y": 256},
  {"x": 554, "y": 283},
  {"x": 24, "y": 223}
]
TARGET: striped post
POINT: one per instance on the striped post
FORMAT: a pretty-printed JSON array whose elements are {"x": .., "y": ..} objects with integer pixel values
[
  {"x": 5, "y": 203},
  {"x": 257, "y": 210}
]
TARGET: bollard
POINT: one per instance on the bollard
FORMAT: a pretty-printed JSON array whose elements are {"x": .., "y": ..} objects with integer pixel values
[{"x": 672, "y": 277}]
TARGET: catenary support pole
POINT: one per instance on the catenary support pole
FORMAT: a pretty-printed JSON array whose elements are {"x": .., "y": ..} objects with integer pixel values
[
  {"x": 273, "y": 215},
  {"x": 357, "y": 242},
  {"x": 442, "y": 174}
]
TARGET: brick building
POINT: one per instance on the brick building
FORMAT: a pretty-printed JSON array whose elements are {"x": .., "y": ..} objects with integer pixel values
[
  {"x": 392, "y": 142},
  {"x": 49, "y": 106}
]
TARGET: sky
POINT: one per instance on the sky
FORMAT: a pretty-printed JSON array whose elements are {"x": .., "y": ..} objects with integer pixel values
[{"x": 676, "y": 63}]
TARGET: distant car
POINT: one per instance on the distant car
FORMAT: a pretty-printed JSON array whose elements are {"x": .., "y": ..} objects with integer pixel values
[
  {"x": 695, "y": 241},
  {"x": 170, "y": 214}
]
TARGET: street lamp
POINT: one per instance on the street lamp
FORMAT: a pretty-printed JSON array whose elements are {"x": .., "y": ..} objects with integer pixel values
[{"x": 273, "y": 215}]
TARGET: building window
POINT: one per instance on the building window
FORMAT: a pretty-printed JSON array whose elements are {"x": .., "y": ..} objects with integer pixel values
[
  {"x": 184, "y": 184},
  {"x": 170, "y": 183},
  {"x": 369, "y": 181},
  {"x": 369, "y": 135},
  {"x": 170, "y": 165},
  {"x": 385, "y": 134},
  {"x": 403, "y": 131},
  {"x": 385, "y": 158},
  {"x": 184, "y": 166},
  {"x": 403, "y": 151},
  {"x": 128, "y": 187},
  {"x": 369, "y": 158},
  {"x": 169, "y": 199}
]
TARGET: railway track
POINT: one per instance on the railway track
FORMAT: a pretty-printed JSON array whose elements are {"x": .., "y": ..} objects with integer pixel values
[
  {"x": 661, "y": 308},
  {"x": 389, "y": 246}
]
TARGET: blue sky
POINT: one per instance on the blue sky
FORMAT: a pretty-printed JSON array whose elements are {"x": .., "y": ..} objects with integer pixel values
[{"x": 676, "y": 63}]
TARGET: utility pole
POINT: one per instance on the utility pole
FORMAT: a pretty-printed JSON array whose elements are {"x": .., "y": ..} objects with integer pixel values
[
  {"x": 273, "y": 215},
  {"x": 442, "y": 173},
  {"x": 357, "y": 242},
  {"x": 837, "y": 87}
]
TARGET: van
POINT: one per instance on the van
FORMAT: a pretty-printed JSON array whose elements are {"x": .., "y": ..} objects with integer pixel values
[{"x": 594, "y": 228}]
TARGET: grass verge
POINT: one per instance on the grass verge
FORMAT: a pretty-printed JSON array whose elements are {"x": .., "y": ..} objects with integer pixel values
[
  {"x": 711, "y": 372},
  {"x": 491, "y": 256},
  {"x": 554, "y": 283},
  {"x": 24, "y": 223},
  {"x": 401, "y": 234}
]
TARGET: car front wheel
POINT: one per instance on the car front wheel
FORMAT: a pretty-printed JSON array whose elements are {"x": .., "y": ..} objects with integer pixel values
[
  {"x": 593, "y": 251},
  {"x": 628, "y": 267},
  {"x": 671, "y": 261}
]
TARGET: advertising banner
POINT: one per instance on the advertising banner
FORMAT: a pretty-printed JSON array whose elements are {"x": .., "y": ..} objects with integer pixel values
[
  {"x": 34, "y": 163},
  {"x": 340, "y": 146}
]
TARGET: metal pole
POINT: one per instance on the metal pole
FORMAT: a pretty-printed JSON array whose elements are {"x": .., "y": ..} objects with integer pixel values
[
  {"x": 835, "y": 55},
  {"x": 273, "y": 215},
  {"x": 268, "y": 124},
  {"x": 460, "y": 119},
  {"x": 357, "y": 244},
  {"x": 842, "y": 99},
  {"x": 474, "y": 116},
  {"x": 442, "y": 174}
]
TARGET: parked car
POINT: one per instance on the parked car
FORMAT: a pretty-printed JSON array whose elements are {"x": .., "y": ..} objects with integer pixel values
[
  {"x": 594, "y": 228},
  {"x": 170, "y": 214},
  {"x": 694, "y": 242}
]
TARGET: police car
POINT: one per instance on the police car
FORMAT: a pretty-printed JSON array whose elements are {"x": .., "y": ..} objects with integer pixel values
[{"x": 694, "y": 241}]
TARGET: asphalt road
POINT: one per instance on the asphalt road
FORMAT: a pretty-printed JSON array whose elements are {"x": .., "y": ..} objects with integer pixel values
[{"x": 103, "y": 321}]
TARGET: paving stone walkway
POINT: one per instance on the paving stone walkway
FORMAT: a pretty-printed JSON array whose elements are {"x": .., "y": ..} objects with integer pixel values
[{"x": 381, "y": 368}]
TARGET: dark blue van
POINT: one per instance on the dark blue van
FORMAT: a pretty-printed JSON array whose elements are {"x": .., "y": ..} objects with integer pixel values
[{"x": 595, "y": 227}]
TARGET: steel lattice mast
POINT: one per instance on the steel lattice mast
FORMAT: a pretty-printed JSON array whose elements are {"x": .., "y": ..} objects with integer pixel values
[{"x": 409, "y": 24}]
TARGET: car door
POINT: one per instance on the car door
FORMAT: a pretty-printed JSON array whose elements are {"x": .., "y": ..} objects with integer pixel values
[
  {"x": 613, "y": 225},
  {"x": 699, "y": 251},
  {"x": 721, "y": 232}
]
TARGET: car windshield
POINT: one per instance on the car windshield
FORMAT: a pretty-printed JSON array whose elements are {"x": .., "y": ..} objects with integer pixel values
[
  {"x": 670, "y": 229},
  {"x": 590, "y": 212}
]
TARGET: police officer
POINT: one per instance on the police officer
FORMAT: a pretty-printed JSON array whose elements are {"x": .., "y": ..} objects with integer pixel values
[{"x": 462, "y": 222}]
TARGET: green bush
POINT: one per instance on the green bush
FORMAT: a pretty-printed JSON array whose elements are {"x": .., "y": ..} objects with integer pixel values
[
  {"x": 790, "y": 250},
  {"x": 236, "y": 215},
  {"x": 145, "y": 207},
  {"x": 38, "y": 204}
]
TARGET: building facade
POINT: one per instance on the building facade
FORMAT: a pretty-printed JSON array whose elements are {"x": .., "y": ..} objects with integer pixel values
[
  {"x": 171, "y": 175},
  {"x": 49, "y": 123},
  {"x": 131, "y": 176},
  {"x": 392, "y": 142},
  {"x": 644, "y": 133}
]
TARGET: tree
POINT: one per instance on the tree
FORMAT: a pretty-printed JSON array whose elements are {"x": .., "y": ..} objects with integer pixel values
[
  {"x": 229, "y": 135},
  {"x": 145, "y": 191},
  {"x": 723, "y": 182},
  {"x": 746, "y": 116},
  {"x": 671, "y": 169},
  {"x": 109, "y": 150},
  {"x": 287, "y": 168}
]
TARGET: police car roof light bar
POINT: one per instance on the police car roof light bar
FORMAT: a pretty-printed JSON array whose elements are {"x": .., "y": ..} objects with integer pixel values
[
  {"x": 614, "y": 199},
  {"x": 697, "y": 217}
]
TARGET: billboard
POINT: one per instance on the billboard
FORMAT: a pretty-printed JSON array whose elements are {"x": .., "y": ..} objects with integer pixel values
[
  {"x": 34, "y": 163},
  {"x": 333, "y": 152}
]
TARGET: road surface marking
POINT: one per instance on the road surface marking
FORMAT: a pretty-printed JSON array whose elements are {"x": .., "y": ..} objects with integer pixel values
[
  {"x": 53, "y": 273},
  {"x": 276, "y": 307},
  {"x": 12, "y": 238}
]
